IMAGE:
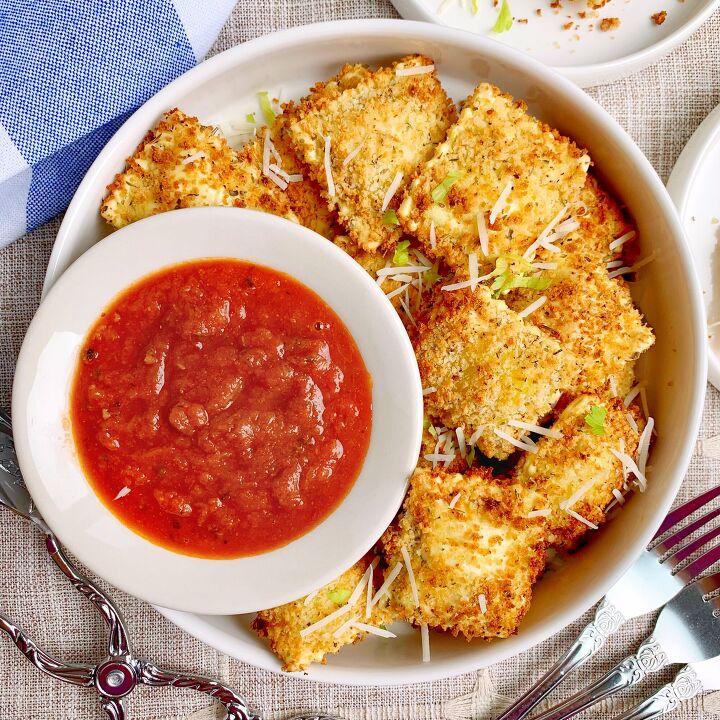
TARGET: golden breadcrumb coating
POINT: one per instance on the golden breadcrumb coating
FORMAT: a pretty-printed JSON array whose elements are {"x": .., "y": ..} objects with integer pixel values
[
  {"x": 156, "y": 179},
  {"x": 488, "y": 366},
  {"x": 494, "y": 143},
  {"x": 396, "y": 121},
  {"x": 561, "y": 467},
  {"x": 282, "y": 625},
  {"x": 602, "y": 222},
  {"x": 484, "y": 546},
  {"x": 305, "y": 196},
  {"x": 591, "y": 315}
]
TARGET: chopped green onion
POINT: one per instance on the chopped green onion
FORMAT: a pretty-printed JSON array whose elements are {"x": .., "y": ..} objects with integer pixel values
[
  {"x": 401, "y": 256},
  {"x": 250, "y": 117},
  {"x": 595, "y": 419},
  {"x": 433, "y": 431},
  {"x": 510, "y": 272},
  {"x": 426, "y": 422},
  {"x": 504, "y": 19},
  {"x": 475, "y": 7},
  {"x": 339, "y": 596},
  {"x": 471, "y": 456},
  {"x": 266, "y": 107},
  {"x": 431, "y": 276},
  {"x": 441, "y": 191},
  {"x": 390, "y": 217}
]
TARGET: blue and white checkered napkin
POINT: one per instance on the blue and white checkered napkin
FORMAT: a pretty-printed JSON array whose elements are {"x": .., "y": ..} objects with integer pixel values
[{"x": 71, "y": 71}]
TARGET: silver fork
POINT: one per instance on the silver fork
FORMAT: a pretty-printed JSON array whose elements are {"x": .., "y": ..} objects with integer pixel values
[
  {"x": 694, "y": 679},
  {"x": 649, "y": 583},
  {"x": 687, "y": 631},
  {"x": 118, "y": 674}
]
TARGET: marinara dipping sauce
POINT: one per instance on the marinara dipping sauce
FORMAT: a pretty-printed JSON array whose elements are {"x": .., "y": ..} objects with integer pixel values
[{"x": 221, "y": 409}]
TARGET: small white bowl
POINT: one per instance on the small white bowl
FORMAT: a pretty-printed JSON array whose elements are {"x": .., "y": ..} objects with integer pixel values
[{"x": 45, "y": 447}]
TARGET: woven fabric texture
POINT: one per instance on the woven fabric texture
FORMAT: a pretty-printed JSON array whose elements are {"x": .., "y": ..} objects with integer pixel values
[{"x": 660, "y": 108}]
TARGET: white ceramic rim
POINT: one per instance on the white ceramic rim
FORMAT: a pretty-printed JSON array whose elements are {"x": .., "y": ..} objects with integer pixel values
[
  {"x": 254, "y": 50},
  {"x": 590, "y": 75},
  {"x": 680, "y": 185},
  {"x": 95, "y": 535}
]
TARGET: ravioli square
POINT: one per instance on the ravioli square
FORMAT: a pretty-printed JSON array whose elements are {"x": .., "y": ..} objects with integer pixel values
[
  {"x": 363, "y": 145},
  {"x": 579, "y": 465},
  {"x": 180, "y": 164},
  {"x": 487, "y": 366},
  {"x": 593, "y": 316},
  {"x": 500, "y": 169},
  {"x": 474, "y": 552},
  {"x": 283, "y": 625}
]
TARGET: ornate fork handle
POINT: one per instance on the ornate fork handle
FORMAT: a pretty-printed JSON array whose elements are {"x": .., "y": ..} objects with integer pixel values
[
  {"x": 650, "y": 658},
  {"x": 235, "y": 707},
  {"x": 685, "y": 686},
  {"x": 608, "y": 620},
  {"x": 118, "y": 642},
  {"x": 75, "y": 673}
]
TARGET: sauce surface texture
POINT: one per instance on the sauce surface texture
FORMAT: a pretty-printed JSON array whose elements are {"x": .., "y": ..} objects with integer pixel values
[{"x": 221, "y": 409}]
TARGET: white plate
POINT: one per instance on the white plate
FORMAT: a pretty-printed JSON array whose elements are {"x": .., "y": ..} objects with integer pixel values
[
  {"x": 225, "y": 86},
  {"x": 694, "y": 186},
  {"x": 587, "y": 57}
]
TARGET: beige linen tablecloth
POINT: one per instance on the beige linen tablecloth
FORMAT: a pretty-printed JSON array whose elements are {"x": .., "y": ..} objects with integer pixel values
[{"x": 660, "y": 108}]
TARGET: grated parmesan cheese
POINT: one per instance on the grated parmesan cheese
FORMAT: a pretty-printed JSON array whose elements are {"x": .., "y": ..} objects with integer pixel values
[
  {"x": 483, "y": 234},
  {"x": 429, "y": 390},
  {"x": 540, "y": 241},
  {"x": 394, "y": 185},
  {"x": 386, "y": 585},
  {"x": 122, "y": 493},
  {"x": 613, "y": 385},
  {"x": 619, "y": 242},
  {"x": 417, "y": 70},
  {"x": 345, "y": 626},
  {"x": 352, "y": 155},
  {"x": 411, "y": 576},
  {"x": 544, "y": 512},
  {"x": 473, "y": 270},
  {"x": 618, "y": 496},
  {"x": 373, "y": 630},
  {"x": 482, "y": 601},
  {"x": 581, "y": 519},
  {"x": 433, "y": 239},
  {"x": 644, "y": 445},
  {"x": 631, "y": 395},
  {"x": 476, "y": 436},
  {"x": 632, "y": 423},
  {"x": 425, "y": 639},
  {"x": 545, "y": 265},
  {"x": 500, "y": 202},
  {"x": 536, "y": 429},
  {"x": 631, "y": 467},
  {"x": 520, "y": 444},
  {"x": 454, "y": 501},
  {"x": 460, "y": 433},
  {"x": 311, "y": 597},
  {"x": 192, "y": 158},
  {"x": 328, "y": 168},
  {"x": 533, "y": 306}
]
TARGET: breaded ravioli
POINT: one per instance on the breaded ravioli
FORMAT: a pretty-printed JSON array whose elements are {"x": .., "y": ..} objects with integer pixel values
[
  {"x": 305, "y": 196},
  {"x": 488, "y": 366},
  {"x": 591, "y": 315},
  {"x": 386, "y": 125},
  {"x": 475, "y": 563},
  {"x": 282, "y": 625},
  {"x": 580, "y": 462},
  {"x": 181, "y": 163},
  {"x": 495, "y": 154}
]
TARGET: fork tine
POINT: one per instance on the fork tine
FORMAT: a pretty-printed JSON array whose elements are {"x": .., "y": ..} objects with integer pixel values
[
  {"x": 692, "y": 547},
  {"x": 680, "y": 535},
  {"x": 680, "y": 513},
  {"x": 710, "y": 584},
  {"x": 700, "y": 565}
]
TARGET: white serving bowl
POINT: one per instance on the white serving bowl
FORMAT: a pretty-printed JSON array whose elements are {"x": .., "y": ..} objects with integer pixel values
[
  {"x": 48, "y": 458},
  {"x": 289, "y": 63}
]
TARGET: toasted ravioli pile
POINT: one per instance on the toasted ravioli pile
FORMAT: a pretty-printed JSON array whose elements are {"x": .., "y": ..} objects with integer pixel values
[
  {"x": 474, "y": 563},
  {"x": 511, "y": 266}
]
